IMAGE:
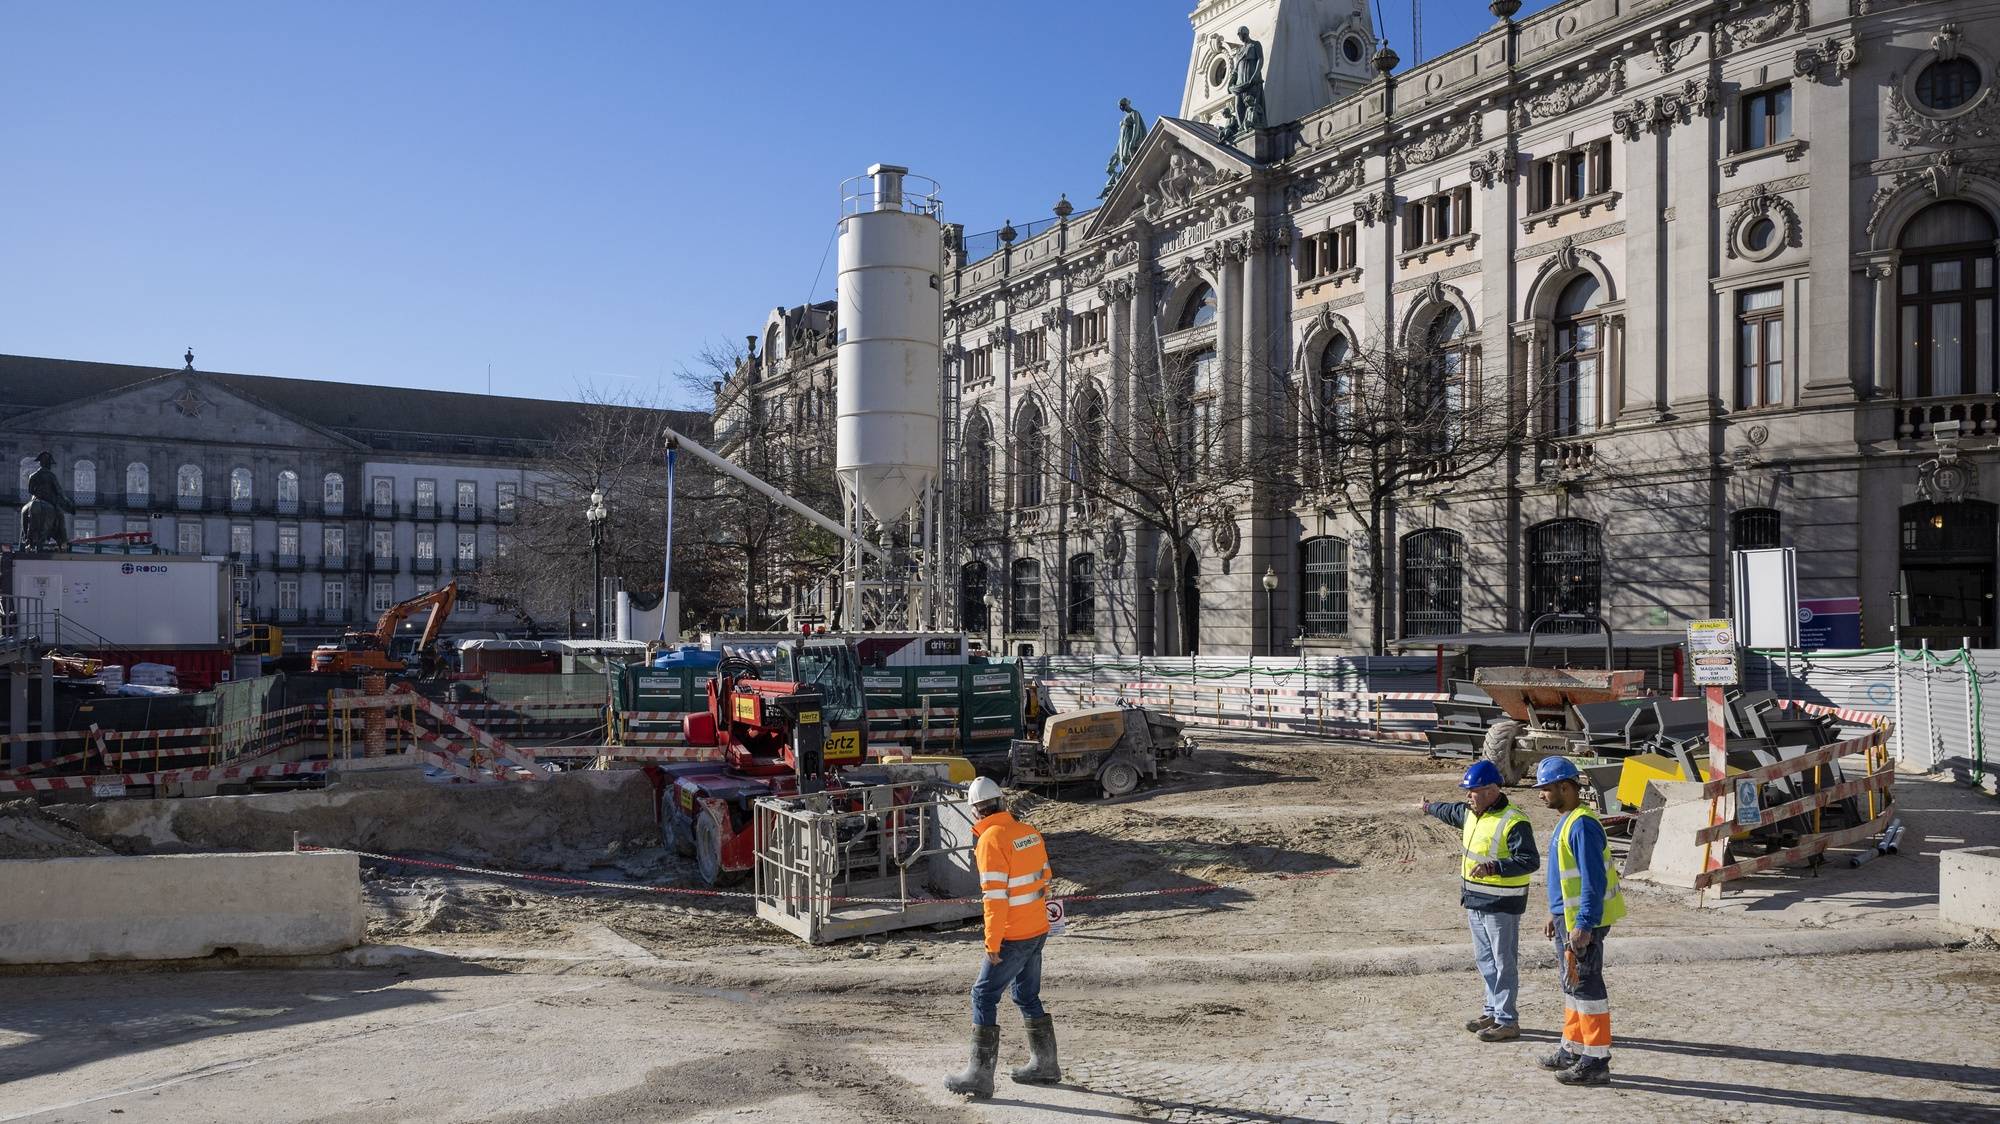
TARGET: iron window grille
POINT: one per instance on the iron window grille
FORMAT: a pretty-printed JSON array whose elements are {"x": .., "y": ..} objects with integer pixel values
[
  {"x": 1433, "y": 583},
  {"x": 1323, "y": 609},
  {"x": 1566, "y": 570}
]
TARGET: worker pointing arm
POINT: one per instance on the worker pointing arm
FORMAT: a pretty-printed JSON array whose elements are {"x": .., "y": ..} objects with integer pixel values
[
  {"x": 1014, "y": 877},
  {"x": 1497, "y": 858}
]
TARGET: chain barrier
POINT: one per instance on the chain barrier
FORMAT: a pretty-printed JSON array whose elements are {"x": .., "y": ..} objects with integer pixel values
[{"x": 1203, "y": 887}]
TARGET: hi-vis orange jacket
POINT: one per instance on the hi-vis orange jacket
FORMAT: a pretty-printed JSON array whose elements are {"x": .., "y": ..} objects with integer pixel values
[{"x": 1014, "y": 877}]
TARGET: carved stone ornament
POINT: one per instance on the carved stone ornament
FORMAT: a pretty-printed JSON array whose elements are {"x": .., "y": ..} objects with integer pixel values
[
  {"x": 1125, "y": 253},
  {"x": 1186, "y": 176},
  {"x": 1945, "y": 42},
  {"x": 1116, "y": 289},
  {"x": 1943, "y": 175},
  {"x": 977, "y": 316},
  {"x": 1495, "y": 169},
  {"x": 1334, "y": 181},
  {"x": 1569, "y": 94},
  {"x": 1052, "y": 319},
  {"x": 1697, "y": 97},
  {"x": 1749, "y": 31},
  {"x": 189, "y": 403},
  {"x": 1945, "y": 478},
  {"x": 1113, "y": 543},
  {"x": 1088, "y": 273},
  {"x": 1910, "y": 126},
  {"x": 1668, "y": 52},
  {"x": 1763, "y": 203},
  {"x": 1225, "y": 539},
  {"x": 1374, "y": 207},
  {"x": 1426, "y": 147},
  {"x": 1272, "y": 234},
  {"x": 1839, "y": 55},
  {"x": 1030, "y": 294},
  {"x": 1567, "y": 256}
]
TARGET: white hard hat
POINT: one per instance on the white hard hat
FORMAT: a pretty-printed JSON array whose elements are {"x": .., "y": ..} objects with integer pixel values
[{"x": 982, "y": 790}]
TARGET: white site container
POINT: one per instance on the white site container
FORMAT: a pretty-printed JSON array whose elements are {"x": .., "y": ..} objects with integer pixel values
[{"x": 129, "y": 600}]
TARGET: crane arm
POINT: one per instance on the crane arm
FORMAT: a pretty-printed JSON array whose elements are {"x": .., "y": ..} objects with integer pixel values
[{"x": 729, "y": 468}]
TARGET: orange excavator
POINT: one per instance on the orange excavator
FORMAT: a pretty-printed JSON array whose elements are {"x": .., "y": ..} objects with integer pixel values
[{"x": 375, "y": 651}]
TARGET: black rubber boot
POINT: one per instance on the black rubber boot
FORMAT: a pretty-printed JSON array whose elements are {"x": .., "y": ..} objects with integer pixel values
[
  {"x": 1589, "y": 1071},
  {"x": 1041, "y": 1068},
  {"x": 977, "y": 1080}
]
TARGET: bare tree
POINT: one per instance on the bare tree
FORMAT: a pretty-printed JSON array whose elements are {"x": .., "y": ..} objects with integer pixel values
[
  {"x": 1185, "y": 458},
  {"x": 543, "y": 573},
  {"x": 786, "y": 439},
  {"x": 1376, "y": 426}
]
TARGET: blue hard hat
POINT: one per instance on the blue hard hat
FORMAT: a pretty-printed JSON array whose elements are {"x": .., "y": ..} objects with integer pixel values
[
  {"x": 1553, "y": 769},
  {"x": 1480, "y": 773}
]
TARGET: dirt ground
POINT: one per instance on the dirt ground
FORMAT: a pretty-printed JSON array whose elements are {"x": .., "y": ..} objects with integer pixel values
[{"x": 1323, "y": 980}]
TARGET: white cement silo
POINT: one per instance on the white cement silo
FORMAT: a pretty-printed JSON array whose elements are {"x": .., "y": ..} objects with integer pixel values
[{"x": 888, "y": 372}]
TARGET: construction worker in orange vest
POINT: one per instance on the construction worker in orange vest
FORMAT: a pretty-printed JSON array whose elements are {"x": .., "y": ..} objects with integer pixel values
[{"x": 1014, "y": 879}]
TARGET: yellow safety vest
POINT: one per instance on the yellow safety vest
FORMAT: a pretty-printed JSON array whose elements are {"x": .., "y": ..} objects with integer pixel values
[
  {"x": 1570, "y": 878},
  {"x": 1485, "y": 841}
]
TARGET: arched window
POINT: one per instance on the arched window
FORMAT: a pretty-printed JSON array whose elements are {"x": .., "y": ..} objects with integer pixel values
[
  {"x": 978, "y": 482},
  {"x": 1025, "y": 605},
  {"x": 1323, "y": 607},
  {"x": 1086, "y": 450},
  {"x": 1565, "y": 569},
  {"x": 1030, "y": 456},
  {"x": 1945, "y": 302},
  {"x": 138, "y": 483},
  {"x": 187, "y": 485},
  {"x": 1192, "y": 396},
  {"x": 239, "y": 487},
  {"x": 333, "y": 492},
  {"x": 288, "y": 489},
  {"x": 1579, "y": 359},
  {"x": 1082, "y": 595},
  {"x": 84, "y": 481},
  {"x": 1334, "y": 395},
  {"x": 1199, "y": 309},
  {"x": 1433, "y": 583},
  {"x": 972, "y": 592},
  {"x": 1753, "y": 528}
]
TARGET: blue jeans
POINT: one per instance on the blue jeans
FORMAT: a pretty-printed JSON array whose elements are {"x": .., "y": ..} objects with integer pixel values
[
  {"x": 1496, "y": 943},
  {"x": 1021, "y": 966}
]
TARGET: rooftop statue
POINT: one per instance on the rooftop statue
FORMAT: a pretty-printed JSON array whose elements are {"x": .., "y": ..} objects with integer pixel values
[{"x": 1131, "y": 131}]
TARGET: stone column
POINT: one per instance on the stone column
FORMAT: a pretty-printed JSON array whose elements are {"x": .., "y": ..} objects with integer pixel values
[
  {"x": 1613, "y": 374},
  {"x": 1643, "y": 359},
  {"x": 1879, "y": 273},
  {"x": 1692, "y": 151}
]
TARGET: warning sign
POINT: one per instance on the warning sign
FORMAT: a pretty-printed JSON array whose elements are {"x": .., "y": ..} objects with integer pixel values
[
  {"x": 1057, "y": 926},
  {"x": 1711, "y": 646}
]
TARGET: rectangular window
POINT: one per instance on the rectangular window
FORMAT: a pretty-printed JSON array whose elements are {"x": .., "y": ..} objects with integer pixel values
[
  {"x": 1031, "y": 348},
  {"x": 468, "y": 499},
  {"x": 333, "y": 598},
  {"x": 1760, "y": 347},
  {"x": 288, "y": 593},
  {"x": 1568, "y": 176},
  {"x": 468, "y": 548},
  {"x": 85, "y": 528},
  {"x": 381, "y": 596},
  {"x": 139, "y": 526},
  {"x": 1438, "y": 218},
  {"x": 188, "y": 538},
  {"x": 333, "y": 544},
  {"x": 1324, "y": 607},
  {"x": 240, "y": 540},
  {"x": 1767, "y": 117},
  {"x": 427, "y": 497},
  {"x": 427, "y": 545},
  {"x": 385, "y": 543},
  {"x": 240, "y": 587},
  {"x": 506, "y": 493},
  {"x": 288, "y": 540},
  {"x": 384, "y": 493}
]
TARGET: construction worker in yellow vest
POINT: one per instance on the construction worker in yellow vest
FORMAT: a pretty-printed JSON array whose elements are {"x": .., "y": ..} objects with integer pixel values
[
  {"x": 1014, "y": 882},
  {"x": 1497, "y": 860},
  {"x": 1584, "y": 903}
]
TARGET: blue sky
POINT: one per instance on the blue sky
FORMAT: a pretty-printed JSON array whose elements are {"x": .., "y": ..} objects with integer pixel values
[{"x": 580, "y": 195}]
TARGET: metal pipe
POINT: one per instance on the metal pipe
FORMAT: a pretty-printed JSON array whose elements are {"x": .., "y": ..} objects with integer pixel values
[{"x": 729, "y": 468}]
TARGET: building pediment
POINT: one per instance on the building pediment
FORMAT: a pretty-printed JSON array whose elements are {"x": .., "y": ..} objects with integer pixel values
[
  {"x": 1178, "y": 163},
  {"x": 181, "y": 406}
]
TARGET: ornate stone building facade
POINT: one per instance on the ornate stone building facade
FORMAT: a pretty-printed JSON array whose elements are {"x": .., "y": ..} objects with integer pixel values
[{"x": 1740, "y": 255}]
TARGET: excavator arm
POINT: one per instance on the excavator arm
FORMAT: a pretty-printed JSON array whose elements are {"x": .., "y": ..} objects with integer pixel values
[{"x": 438, "y": 601}]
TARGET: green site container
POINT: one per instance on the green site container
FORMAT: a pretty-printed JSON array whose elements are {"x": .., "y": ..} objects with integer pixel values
[{"x": 987, "y": 697}]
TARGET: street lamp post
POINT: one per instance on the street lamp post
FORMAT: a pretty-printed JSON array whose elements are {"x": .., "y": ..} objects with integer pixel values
[
  {"x": 1270, "y": 617},
  {"x": 597, "y": 517}
]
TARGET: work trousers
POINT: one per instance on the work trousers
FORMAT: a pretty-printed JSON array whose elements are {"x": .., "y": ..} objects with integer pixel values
[
  {"x": 1586, "y": 1006},
  {"x": 1496, "y": 945},
  {"x": 1020, "y": 968}
]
